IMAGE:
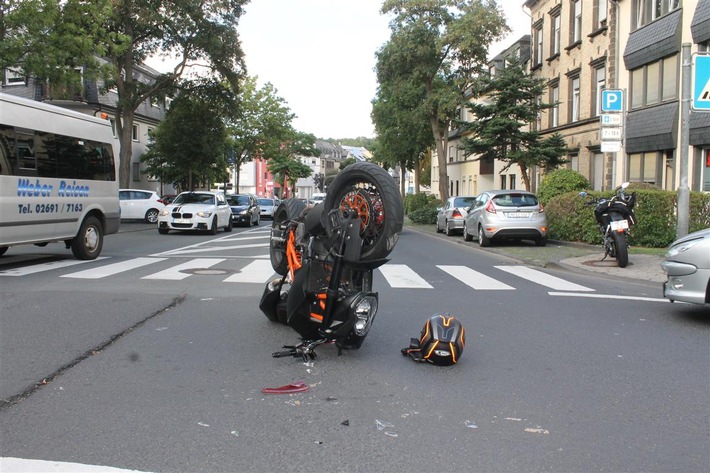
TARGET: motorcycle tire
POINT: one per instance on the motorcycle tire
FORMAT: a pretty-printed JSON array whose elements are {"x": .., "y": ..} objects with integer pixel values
[
  {"x": 621, "y": 249},
  {"x": 373, "y": 193},
  {"x": 289, "y": 209}
]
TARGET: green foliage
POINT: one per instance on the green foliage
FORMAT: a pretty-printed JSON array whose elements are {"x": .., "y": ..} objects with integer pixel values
[
  {"x": 347, "y": 162},
  {"x": 558, "y": 182},
  {"x": 188, "y": 147},
  {"x": 424, "y": 215},
  {"x": 414, "y": 202},
  {"x": 569, "y": 219}
]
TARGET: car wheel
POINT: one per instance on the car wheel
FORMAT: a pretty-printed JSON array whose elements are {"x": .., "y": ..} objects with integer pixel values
[
  {"x": 151, "y": 216},
  {"x": 213, "y": 227},
  {"x": 466, "y": 235},
  {"x": 438, "y": 230},
  {"x": 258, "y": 220},
  {"x": 163, "y": 231},
  {"x": 541, "y": 241},
  {"x": 449, "y": 232},
  {"x": 483, "y": 240},
  {"x": 230, "y": 225}
]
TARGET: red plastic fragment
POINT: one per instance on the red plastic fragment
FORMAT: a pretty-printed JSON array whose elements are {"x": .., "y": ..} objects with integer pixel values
[{"x": 297, "y": 387}]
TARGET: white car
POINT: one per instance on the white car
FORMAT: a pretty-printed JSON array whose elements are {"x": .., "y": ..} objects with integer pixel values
[
  {"x": 196, "y": 210},
  {"x": 140, "y": 204}
]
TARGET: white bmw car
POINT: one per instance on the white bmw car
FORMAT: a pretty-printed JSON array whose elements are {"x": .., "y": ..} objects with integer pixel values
[{"x": 198, "y": 210}]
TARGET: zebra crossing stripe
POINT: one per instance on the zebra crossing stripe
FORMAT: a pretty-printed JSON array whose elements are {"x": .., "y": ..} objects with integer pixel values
[
  {"x": 175, "y": 273},
  {"x": 39, "y": 268},
  {"x": 475, "y": 279},
  {"x": 258, "y": 271},
  {"x": 111, "y": 269},
  {"x": 543, "y": 279},
  {"x": 401, "y": 275}
]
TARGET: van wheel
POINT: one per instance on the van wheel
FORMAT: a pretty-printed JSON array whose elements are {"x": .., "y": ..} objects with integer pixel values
[{"x": 88, "y": 242}]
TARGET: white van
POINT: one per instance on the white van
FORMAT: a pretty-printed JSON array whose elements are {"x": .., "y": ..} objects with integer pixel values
[{"x": 58, "y": 177}]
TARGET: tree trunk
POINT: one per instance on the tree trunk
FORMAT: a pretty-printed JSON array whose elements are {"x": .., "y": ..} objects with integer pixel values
[
  {"x": 415, "y": 172},
  {"x": 524, "y": 174},
  {"x": 441, "y": 138},
  {"x": 124, "y": 130},
  {"x": 402, "y": 183}
]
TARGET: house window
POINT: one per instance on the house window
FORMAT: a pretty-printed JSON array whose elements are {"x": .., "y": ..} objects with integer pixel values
[
  {"x": 598, "y": 84},
  {"x": 451, "y": 154},
  {"x": 655, "y": 82},
  {"x": 134, "y": 133},
  {"x": 573, "y": 161},
  {"x": 136, "y": 171},
  {"x": 600, "y": 13},
  {"x": 555, "y": 101},
  {"x": 574, "y": 98},
  {"x": 511, "y": 180},
  {"x": 576, "y": 22},
  {"x": 646, "y": 11},
  {"x": 13, "y": 77},
  {"x": 644, "y": 167},
  {"x": 503, "y": 179},
  {"x": 537, "y": 37},
  {"x": 556, "y": 35}
]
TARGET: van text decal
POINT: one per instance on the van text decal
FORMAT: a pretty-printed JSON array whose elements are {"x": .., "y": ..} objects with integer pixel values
[{"x": 27, "y": 188}]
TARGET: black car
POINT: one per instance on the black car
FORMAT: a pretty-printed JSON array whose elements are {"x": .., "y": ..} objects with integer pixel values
[{"x": 245, "y": 209}]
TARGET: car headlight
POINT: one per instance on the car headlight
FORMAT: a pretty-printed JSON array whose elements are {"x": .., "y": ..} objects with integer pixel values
[
  {"x": 164, "y": 213},
  {"x": 675, "y": 251},
  {"x": 204, "y": 214},
  {"x": 243, "y": 212}
]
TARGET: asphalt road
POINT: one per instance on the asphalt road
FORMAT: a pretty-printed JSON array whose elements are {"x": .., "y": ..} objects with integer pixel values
[{"x": 165, "y": 375}]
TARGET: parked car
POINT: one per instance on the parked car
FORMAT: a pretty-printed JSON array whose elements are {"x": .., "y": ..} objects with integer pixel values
[
  {"x": 317, "y": 198},
  {"x": 168, "y": 198},
  {"x": 199, "y": 210},
  {"x": 139, "y": 204},
  {"x": 245, "y": 209},
  {"x": 506, "y": 214},
  {"x": 450, "y": 216},
  {"x": 268, "y": 206},
  {"x": 687, "y": 266}
]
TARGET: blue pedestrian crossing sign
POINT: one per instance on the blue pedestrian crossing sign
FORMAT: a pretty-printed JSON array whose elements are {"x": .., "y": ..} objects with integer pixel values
[
  {"x": 612, "y": 100},
  {"x": 701, "y": 83}
]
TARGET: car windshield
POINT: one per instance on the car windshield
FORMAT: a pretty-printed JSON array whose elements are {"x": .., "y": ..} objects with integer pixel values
[
  {"x": 194, "y": 198},
  {"x": 238, "y": 200},
  {"x": 515, "y": 200},
  {"x": 266, "y": 202},
  {"x": 464, "y": 201}
]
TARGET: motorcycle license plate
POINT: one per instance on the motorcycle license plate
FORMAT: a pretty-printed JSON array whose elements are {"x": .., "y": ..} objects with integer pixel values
[{"x": 617, "y": 225}]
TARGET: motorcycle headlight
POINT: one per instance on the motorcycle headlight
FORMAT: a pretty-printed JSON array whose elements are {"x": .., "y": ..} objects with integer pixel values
[
  {"x": 365, "y": 311},
  {"x": 204, "y": 214}
]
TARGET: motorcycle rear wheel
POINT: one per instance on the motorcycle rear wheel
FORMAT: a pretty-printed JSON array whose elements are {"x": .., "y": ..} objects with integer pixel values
[
  {"x": 621, "y": 249},
  {"x": 373, "y": 193},
  {"x": 287, "y": 210}
]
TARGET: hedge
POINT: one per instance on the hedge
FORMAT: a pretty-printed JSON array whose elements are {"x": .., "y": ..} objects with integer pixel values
[{"x": 569, "y": 219}]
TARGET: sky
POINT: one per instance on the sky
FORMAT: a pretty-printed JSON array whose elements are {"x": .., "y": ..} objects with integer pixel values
[{"x": 320, "y": 57}]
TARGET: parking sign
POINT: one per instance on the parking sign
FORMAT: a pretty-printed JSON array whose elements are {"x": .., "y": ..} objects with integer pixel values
[{"x": 612, "y": 100}]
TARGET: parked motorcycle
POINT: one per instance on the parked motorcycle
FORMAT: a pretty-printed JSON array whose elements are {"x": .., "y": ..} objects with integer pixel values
[
  {"x": 615, "y": 216},
  {"x": 325, "y": 255}
]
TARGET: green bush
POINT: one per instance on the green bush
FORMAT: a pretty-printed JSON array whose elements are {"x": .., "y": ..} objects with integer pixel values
[
  {"x": 558, "y": 182},
  {"x": 413, "y": 202},
  {"x": 425, "y": 215},
  {"x": 569, "y": 219}
]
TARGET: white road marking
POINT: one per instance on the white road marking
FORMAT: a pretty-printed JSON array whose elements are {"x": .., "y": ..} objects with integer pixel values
[
  {"x": 402, "y": 276},
  {"x": 175, "y": 273},
  {"x": 111, "y": 269},
  {"x": 475, "y": 279},
  {"x": 607, "y": 296},
  {"x": 543, "y": 279},
  {"x": 258, "y": 271},
  {"x": 21, "y": 465},
  {"x": 38, "y": 268}
]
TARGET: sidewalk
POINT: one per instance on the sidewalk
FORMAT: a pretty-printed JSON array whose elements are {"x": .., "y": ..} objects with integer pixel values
[{"x": 571, "y": 256}]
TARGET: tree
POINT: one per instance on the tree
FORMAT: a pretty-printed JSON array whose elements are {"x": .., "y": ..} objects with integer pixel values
[
  {"x": 442, "y": 44},
  {"x": 261, "y": 125},
  {"x": 501, "y": 127},
  {"x": 110, "y": 37},
  {"x": 347, "y": 162},
  {"x": 400, "y": 115},
  {"x": 188, "y": 147},
  {"x": 286, "y": 166}
]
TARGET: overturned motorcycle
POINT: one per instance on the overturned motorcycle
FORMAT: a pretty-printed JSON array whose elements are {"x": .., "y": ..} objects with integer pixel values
[{"x": 325, "y": 256}]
